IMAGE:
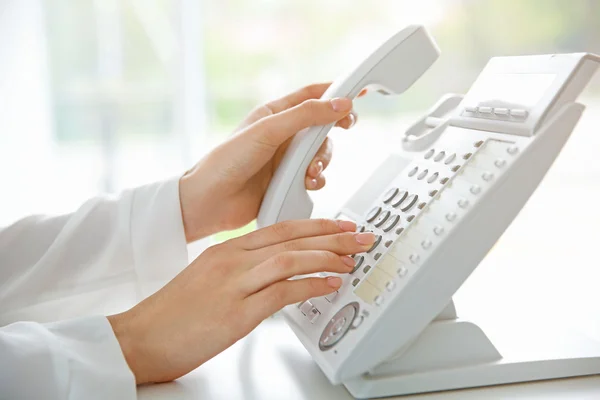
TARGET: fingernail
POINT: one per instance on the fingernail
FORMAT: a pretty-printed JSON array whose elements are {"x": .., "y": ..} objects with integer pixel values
[
  {"x": 334, "y": 281},
  {"x": 340, "y": 104},
  {"x": 349, "y": 261},
  {"x": 352, "y": 117},
  {"x": 366, "y": 238},
  {"x": 312, "y": 184},
  {"x": 317, "y": 168},
  {"x": 346, "y": 226},
  {"x": 362, "y": 92}
]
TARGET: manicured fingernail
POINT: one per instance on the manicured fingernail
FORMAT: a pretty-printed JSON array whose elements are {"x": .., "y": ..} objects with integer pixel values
[
  {"x": 312, "y": 184},
  {"x": 352, "y": 117},
  {"x": 366, "y": 238},
  {"x": 334, "y": 281},
  {"x": 346, "y": 226},
  {"x": 340, "y": 104},
  {"x": 317, "y": 168},
  {"x": 349, "y": 261}
]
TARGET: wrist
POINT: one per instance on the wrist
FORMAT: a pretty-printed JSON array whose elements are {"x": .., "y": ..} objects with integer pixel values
[
  {"x": 131, "y": 345},
  {"x": 197, "y": 224}
]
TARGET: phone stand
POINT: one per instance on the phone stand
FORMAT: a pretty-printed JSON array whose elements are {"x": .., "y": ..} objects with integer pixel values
[{"x": 451, "y": 354}]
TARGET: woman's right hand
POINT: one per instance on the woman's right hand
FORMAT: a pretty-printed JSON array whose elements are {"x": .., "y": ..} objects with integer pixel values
[{"x": 228, "y": 290}]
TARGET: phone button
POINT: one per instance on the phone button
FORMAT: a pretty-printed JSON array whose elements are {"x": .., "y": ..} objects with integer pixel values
[
  {"x": 440, "y": 156},
  {"x": 409, "y": 202},
  {"x": 331, "y": 296},
  {"x": 400, "y": 198},
  {"x": 359, "y": 260},
  {"x": 338, "y": 326},
  {"x": 377, "y": 241},
  {"x": 390, "y": 194},
  {"x": 390, "y": 224},
  {"x": 373, "y": 214},
  {"x": 382, "y": 218},
  {"x": 518, "y": 113},
  {"x": 357, "y": 321}
]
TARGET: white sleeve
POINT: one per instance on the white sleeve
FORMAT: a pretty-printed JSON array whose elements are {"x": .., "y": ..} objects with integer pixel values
[
  {"x": 76, "y": 359},
  {"x": 135, "y": 240}
]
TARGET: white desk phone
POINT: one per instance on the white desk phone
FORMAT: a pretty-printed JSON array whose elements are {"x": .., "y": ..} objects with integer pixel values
[{"x": 464, "y": 172}]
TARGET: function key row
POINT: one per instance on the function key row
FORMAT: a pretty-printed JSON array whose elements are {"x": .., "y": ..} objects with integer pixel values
[
  {"x": 396, "y": 198},
  {"x": 439, "y": 156},
  {"x": 431, "y": 178}
]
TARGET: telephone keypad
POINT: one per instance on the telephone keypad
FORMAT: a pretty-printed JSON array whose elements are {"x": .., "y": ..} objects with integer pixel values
[{"x": 409, "y": 239}]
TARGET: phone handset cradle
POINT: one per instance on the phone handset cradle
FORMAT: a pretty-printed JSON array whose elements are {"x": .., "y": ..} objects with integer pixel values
[{"x": 427, "y": 130}]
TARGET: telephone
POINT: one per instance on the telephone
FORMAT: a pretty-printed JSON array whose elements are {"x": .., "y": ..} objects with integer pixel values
[{"x": 437, "y": 206}]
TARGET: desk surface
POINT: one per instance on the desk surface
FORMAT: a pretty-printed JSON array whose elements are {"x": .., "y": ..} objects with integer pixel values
[{"x": 272, "y": 364}]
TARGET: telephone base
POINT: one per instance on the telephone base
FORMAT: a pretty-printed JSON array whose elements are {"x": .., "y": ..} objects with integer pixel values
[{"x": 456, "y": 354}]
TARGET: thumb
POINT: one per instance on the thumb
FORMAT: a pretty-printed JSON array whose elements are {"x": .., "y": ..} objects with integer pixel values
[{"x": 273, "y": 131}]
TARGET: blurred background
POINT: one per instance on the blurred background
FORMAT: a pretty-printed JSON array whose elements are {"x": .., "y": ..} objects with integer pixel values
[{"x": 100, "y": 95}]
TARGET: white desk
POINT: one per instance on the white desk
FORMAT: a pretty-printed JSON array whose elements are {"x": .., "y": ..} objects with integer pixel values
[{"x": 272, "y": 364}]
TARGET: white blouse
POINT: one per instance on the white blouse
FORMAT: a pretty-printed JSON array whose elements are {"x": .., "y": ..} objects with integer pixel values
[{"x": 109, "y": 254}]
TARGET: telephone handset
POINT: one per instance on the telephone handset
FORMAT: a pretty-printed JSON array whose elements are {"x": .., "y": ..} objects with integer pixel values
[
  {"x": 437, "y": 205},
  {"x": 392, "y": 68}
]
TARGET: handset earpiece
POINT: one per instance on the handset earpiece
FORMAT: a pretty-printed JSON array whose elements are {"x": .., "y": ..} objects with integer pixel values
[{"x": 392, "y": 68}]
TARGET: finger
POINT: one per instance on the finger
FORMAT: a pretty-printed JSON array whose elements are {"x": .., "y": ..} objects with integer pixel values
[
  {"x": 314, "y": 91},
  {"x": 317, "y": 183},
  {"x": 363, "y": 92},
  {"x": 339, "y": 243},
  {"x": 321, "y": 159},
  {"x": 289, "y": 230},
  {"x": 276, "y": 129},
  {"x": 348, "y": 122},
  {"x": 286, "y": 265},
  {"x": 278, "y": 295}
]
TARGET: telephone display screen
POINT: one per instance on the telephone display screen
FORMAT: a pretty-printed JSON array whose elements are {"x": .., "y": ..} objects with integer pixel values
[{"x": 511, "y": 90}]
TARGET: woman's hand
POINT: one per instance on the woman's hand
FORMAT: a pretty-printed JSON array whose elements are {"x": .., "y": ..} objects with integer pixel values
[
  {"x": 228, "y": 290},
  {"x": 225, "y": 189}
]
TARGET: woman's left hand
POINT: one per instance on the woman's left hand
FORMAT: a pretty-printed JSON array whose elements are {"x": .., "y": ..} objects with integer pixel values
[{"x": 225, "y": 189}]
